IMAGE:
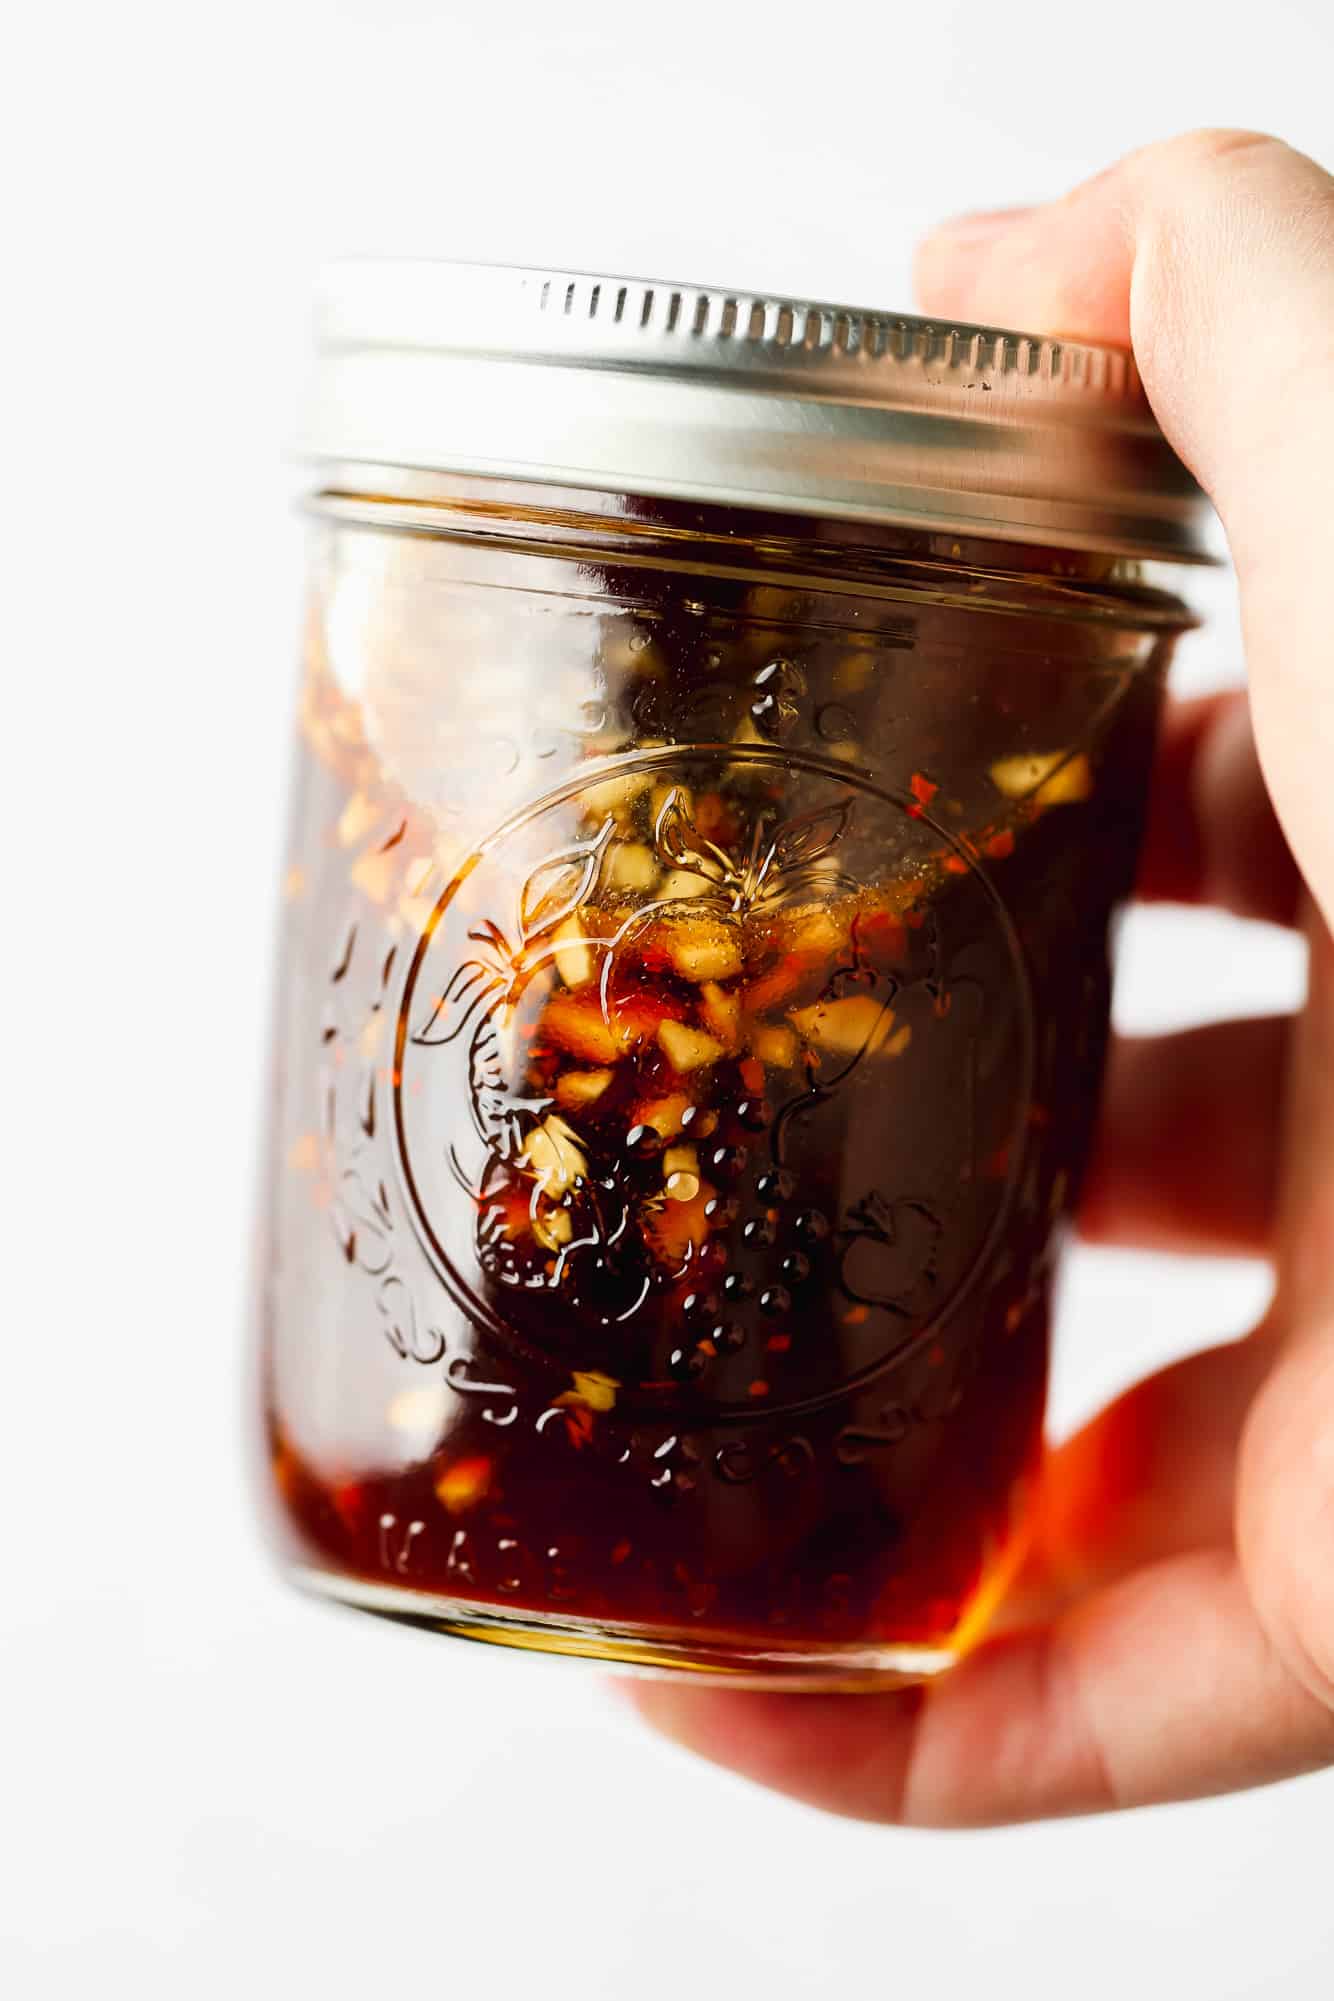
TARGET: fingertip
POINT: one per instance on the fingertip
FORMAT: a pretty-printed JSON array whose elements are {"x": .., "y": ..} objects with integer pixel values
[
  {"x": 847, "y": 1754},
  {"x": 946, "y": 261},
  {"x": 745, "y": 1729},
  {"x": 738, "y": 1728}
]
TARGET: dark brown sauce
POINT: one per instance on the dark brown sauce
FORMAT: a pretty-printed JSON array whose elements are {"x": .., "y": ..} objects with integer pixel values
[{"x": 666, "y": 1202}]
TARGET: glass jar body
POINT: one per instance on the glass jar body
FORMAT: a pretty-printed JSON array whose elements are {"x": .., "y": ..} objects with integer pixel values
[{"x": 692, "y": 1007}]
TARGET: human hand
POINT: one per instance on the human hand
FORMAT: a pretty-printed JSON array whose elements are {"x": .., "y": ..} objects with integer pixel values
[{"x": 1173, "y": 1634}]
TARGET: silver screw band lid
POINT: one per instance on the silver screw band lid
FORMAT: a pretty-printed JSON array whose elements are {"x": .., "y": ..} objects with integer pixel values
[{"x": 699, "y": 393}]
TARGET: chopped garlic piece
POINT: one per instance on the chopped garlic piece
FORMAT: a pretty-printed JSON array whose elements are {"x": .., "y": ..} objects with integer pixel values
[
  {"x": 592, "y": 1389},
  {"x": 613, "y": 795},
  {"x": 665, "y": 1115},
  {"x": 553, "y": 1228},
  {"x": 813, "y": 929},
  {"x": 631, "y": 865},
  {"x": 845, "y": 1027},
  {"x": 680, "y": 1171},
  {"x": 662, "y": 791},
  {"x": 574, "y": 961},
  {"x": 775, "y": 1046},
  {"x": 1052, "y": 779},
  {"x": 681, "y": 883},
  {"x": 553, "y": 1153},
  {"x": 704, "y": 951},
  {"x": 581, "y": 1087},
  {"x": 574, "y": 1022},
  {"x": 687, "y": 1048},
  {"x": 721, "y": 1011}
]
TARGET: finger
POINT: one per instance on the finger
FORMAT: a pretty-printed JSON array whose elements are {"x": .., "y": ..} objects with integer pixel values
[
  {"x": 1163, "y": 1687},
  {"x": 1186, "y": 1156},
  {"x": 1285, "y": 1482},
  {"x": 1153, "y": 1475},
  {"x": 1212, "y": 835},
  {"x": 1305, "y": 1225},
  {"x": 1214, "y": 256}
]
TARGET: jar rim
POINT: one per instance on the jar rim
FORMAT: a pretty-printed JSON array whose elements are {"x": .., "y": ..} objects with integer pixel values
[{"x": 731, "y": 397}]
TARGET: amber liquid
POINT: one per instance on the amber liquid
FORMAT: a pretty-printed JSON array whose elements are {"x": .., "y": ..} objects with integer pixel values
[{"x": 666, "y": 1193}]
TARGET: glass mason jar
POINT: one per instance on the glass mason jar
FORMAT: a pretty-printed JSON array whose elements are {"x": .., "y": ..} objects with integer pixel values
[{"x": 723, "y": 745}]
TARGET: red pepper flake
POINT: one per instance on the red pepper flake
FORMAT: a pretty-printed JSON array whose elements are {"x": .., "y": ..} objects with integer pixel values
[
  {"x": 578, "y": 1424},
  {"x": 1000, "y": 845},
  {"x": 877, "y": 931},
  {"x": 923, "y": 791},
  {"x": 463, "y": 1484},
  {"x": 706, "y": 1347},
  {"x": 713, "y": 818},
  {"x": 349, "y": 1501},
  {"x": 856, "y": 1316},
  {"x": 1013, "y": 1316},
  {"x": 621, "y": 1551},
  {"x": 752, "y": 1074},
  {"x": 759, "y": 1388},
  {"x": 955, "y": 865},
  {"x": 778, "y": 1344}
]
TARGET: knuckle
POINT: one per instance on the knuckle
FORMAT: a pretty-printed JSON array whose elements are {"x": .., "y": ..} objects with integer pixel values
[{"x": 1207, "y": 150}]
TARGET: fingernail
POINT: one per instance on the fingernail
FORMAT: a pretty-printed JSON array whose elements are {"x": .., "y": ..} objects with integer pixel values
[{"x": 963, "y": 232}]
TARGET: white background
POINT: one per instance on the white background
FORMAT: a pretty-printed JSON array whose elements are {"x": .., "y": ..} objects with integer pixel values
[{"x": 207, "y": 1786}]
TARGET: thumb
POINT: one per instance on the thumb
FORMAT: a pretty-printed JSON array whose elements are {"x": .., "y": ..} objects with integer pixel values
[{"x": 1212, "y": 255}]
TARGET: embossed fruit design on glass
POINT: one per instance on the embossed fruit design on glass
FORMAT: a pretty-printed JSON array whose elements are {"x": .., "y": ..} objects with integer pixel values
[{"x": 693, "y": 999}]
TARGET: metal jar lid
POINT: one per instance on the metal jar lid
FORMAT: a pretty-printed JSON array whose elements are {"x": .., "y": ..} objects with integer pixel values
[{"x": 635, "y": 386}]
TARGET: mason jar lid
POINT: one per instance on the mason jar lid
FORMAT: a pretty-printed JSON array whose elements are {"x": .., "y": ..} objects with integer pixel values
[{"x": 694, "y": 392}]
